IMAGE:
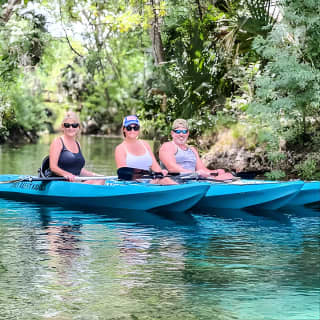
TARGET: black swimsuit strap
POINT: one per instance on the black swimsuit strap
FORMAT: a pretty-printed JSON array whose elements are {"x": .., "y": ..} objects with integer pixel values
[
  {"x": 64, "y": 147},
  {"x": 79, "y": 149}
]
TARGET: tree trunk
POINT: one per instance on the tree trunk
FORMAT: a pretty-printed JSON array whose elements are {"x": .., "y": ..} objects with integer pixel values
[
  {"x": 199, "y": 9},
  {"x": 157, "y": 46}
]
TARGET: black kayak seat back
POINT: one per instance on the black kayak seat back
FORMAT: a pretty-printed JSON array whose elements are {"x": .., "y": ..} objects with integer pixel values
[{"x": 44, "y": 171}]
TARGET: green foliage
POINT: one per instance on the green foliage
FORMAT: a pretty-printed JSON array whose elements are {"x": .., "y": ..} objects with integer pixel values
[
  {"x": 158, "y": 126},
  {"x": 309, "y": 169},
  {"x": 275, "y": 175},
  {"x": 107, "y": 80},
  {"x": 276, "y": 159},
  {"x": 207, "y": 77},
  {"x": 22, "y": 97},
  {"x": 191, "y": 76},
  {"x": 190, "y": 79},
  {"x": 22, "y": 43},
  {"x": 287, "y": 95}
]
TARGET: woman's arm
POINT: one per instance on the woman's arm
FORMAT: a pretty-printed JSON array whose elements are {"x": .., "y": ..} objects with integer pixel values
[
  {"x": 155, "y": 165},
  {"x": 200, "y": 165},
  {"x": 167, "y": 157},
  {"x": 120, "y": 156},
  {"x": 86, "y": 173},
  {"x": 220, "y": 174}
]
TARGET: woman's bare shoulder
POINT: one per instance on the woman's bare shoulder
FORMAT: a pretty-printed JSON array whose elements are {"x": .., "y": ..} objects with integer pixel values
[
  {"x": 56, "y": 141},
  {"x": 168, "y": 147},
  {"x": 145, "y": 143},
  {"x": 120, "y": 146}
]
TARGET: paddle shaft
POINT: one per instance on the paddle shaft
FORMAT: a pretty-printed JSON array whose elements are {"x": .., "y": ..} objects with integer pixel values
[{"x": 127, "y": 173}]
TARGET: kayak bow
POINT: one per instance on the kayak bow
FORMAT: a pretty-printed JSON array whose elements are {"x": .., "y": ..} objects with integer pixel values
[{"x": 114, "y": 194}]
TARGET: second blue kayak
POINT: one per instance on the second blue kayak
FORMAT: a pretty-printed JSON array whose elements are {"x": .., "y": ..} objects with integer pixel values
[
  {"x": 247, "y": 193},
  {"x": 309, "y": 193}
]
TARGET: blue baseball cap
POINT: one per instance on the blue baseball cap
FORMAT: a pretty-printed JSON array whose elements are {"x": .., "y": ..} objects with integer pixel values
[{"x": 132, "y": 119}]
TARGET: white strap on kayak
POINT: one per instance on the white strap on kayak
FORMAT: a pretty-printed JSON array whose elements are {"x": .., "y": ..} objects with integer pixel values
[{"x": 32, "y": 178}]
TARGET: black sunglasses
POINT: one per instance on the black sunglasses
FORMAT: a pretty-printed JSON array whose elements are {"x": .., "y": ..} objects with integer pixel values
[
  {"x": 135, "y": 128},
  {"x": 185, "y": 131},
  {"x": 73, "y": 125}
]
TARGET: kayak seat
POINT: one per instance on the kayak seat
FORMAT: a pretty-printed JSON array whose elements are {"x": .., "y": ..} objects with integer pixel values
[{"x": 44, "y": 171}]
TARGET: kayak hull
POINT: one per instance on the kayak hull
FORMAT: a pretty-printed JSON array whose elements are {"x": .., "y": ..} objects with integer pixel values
[
  {"x": 309, "y": 193},
  {"x": 116, "y": 194},
  {"x": 113, "y": 195},
  {"x": 245, "y": 194}
]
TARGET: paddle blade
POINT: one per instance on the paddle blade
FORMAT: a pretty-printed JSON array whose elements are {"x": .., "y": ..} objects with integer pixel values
[{"x": 250, "y": 174}]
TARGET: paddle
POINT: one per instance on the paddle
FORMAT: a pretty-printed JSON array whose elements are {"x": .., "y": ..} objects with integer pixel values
[
  {"x": 248, "y": 175},
  {"x": 31, "y": 179},
  {"x": 127, "y": 173}
]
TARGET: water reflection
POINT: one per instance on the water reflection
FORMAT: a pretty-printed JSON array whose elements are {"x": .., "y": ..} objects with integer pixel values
[
  {"x": 62, "y": 238},
  {"x": 193, "y": 266}
]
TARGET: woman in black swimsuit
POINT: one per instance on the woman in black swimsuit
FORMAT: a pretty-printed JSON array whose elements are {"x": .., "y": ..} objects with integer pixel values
[{"x": 65, "y": 155}]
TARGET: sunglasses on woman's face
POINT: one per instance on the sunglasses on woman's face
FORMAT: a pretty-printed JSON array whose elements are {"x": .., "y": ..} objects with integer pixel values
[
  {"x": 135, "y": 128},
  {"x": 73, "y": 125},
  {"x": 185, "y": 131}
]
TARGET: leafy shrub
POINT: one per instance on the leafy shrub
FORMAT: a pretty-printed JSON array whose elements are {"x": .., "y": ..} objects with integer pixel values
[
  {"x": 309, "y": 168},
  {"x": 275, "y": 175}
]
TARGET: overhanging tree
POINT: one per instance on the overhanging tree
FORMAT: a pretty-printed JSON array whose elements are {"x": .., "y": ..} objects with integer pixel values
[{"x": 288, "y": 89}]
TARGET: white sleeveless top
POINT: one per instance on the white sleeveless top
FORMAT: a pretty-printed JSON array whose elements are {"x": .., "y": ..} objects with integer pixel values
[{"x": 143, "y": 162}]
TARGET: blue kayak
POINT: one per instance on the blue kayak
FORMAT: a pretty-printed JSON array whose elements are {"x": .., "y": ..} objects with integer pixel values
[
  {"x": 241, "y": 194},
  {"x": 309, "y": 193},
  {"x": 114, "y": 194}
]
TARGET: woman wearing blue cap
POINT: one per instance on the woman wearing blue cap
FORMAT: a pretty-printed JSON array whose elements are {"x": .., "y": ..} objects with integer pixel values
[{"x": 136, "y": 153}]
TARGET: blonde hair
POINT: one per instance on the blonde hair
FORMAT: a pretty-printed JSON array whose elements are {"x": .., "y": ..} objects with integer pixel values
[{"x": 71, "y": 115}]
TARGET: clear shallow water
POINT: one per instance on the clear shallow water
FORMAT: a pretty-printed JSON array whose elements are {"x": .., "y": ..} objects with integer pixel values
[{"x": 58, "y": 264}]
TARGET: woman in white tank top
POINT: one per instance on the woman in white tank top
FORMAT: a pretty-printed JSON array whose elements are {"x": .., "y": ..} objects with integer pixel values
[{"x": 135, "y": 153}]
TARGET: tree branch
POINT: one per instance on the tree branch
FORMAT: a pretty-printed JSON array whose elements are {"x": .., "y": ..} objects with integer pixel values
[
  {"x": 9, "y": 10},
  {"x": 66, "y": 35}
]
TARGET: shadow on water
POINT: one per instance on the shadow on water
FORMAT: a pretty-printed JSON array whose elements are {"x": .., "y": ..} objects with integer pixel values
[
  {"x": 161, "y": 220},
  {"x": 49, "y": 212},
  {"x": 308, "y": 211},
  {"x": 256, "y": 217}
]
